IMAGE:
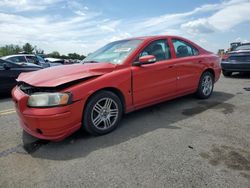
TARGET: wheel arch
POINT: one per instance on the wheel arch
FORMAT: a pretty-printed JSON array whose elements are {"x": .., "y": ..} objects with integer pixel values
[
  {"x": 111, "y": 89},
  {"x": 209, "y": 70}
]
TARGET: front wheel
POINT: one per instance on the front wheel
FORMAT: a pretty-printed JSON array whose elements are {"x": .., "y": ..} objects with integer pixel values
[
  {"x": 102, "y": 113},
  {"x": 206, "y": 86}
]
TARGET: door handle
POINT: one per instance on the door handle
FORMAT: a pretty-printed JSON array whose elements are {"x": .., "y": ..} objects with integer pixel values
[{"x": 171, "y": 66}]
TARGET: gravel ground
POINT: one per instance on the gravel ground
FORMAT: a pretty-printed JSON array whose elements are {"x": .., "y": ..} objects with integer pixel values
[{"x": 181, "y": 143}]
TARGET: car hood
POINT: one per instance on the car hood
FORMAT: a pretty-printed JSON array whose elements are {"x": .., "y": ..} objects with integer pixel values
[{"x": 59, "y": 75}]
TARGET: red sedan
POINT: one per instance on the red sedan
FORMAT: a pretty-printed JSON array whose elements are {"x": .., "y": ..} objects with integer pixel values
[{"x": 121, "y": 77}]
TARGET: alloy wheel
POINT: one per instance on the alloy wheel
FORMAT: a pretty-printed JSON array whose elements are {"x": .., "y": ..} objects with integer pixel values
[
  {"x": 207, "y": 85},
  {"x": 104, "y": 113}
]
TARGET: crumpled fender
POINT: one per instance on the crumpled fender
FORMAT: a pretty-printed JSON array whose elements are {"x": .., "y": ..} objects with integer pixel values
[{"x": 59, "y": 75}]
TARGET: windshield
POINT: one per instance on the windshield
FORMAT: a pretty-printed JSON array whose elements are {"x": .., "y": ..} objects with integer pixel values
[
  {"x": 244, "y": 47},
  {"x": 40, "y": 59},
  {"x": 115, "y": 52}
]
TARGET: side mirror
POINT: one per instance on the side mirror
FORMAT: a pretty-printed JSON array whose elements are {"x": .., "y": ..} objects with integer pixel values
[
  {"x": 144, "y": 60},
  {"x": 6, "y": 66}
]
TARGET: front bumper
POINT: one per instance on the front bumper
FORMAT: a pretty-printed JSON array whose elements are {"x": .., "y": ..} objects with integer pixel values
[
  {"x": 53, "y": 124},
  {"x": 236, "y": 66}
]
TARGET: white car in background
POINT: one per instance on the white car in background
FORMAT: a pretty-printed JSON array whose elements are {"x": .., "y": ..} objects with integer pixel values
[{"x": 54, "y": 61}]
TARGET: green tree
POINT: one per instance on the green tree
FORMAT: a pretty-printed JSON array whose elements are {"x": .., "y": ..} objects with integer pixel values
[
  {"x": 38, "y": 50},
  {"x": 54, "y": 54},
  {"x": 10, "y": 49},
  {"x": 82, "y": 57},
  {"x": 28, "y": 48},
  {"x": 73, "y": 56}
]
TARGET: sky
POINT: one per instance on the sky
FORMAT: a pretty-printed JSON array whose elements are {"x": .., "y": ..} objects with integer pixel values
[{"x": 82, "y": 26}]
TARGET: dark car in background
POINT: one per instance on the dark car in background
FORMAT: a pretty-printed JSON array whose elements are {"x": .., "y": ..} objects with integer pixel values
[
  {"x": 9, "y": 71},
  {"x": 34, "y": 59},
  {"x": 27, "y": 58},
  {"x": 237, "y": 60}
]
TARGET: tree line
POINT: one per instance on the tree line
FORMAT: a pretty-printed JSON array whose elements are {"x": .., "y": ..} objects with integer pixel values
[{"x": 29, "y": 49}]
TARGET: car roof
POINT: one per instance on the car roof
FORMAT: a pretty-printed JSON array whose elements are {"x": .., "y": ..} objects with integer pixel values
[
  {"x": 17, "y": 55},
  {"x": 246, "y": 43},
  {"x": 153, "y": 37}
]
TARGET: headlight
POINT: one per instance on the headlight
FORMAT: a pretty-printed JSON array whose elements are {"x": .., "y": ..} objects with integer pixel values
[{"x": 49, "y": 99}]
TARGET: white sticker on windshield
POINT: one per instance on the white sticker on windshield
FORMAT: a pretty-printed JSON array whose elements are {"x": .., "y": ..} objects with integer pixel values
[{"x": 122, "y": 50}]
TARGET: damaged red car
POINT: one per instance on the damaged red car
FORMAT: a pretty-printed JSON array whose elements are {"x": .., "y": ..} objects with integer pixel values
[{"x": 120, "y": 77}]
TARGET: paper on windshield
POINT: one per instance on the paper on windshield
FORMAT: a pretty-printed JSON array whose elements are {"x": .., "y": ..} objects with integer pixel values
[{"x": 122, "y": 50}]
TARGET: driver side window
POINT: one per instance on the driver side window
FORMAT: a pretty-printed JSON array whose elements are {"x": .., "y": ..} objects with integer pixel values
[{"x": 160, "y": 49}]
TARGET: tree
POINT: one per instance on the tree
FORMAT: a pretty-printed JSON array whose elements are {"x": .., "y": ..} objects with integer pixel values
[
  {"x": 82, "y": 57},
  {"x": 28, "y": 48},
  {"x": 73, "y": 56},
  {"x": 9, "y": 50},
  {"x": 38, "y": 50},
  {"x": 54, "y": 54}
]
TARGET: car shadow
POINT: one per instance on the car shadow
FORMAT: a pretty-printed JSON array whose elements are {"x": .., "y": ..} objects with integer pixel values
[{"x": 161, "y": 116}]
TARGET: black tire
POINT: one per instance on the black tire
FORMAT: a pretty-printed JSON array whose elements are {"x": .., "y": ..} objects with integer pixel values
[
  {"x": 226, "y": 73},
  {"x": 90, "y": 113},
  {"x": 200, "y": 93}
]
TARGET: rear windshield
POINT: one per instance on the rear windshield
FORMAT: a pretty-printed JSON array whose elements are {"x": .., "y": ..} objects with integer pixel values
[{"x": 243, "y": 47}]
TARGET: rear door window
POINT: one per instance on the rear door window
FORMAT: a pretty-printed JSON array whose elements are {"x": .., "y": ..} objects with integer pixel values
[{"x": 184, "y": 49}]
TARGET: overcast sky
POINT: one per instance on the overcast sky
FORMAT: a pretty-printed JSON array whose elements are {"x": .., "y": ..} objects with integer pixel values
[{"x": 82, "y": 26}]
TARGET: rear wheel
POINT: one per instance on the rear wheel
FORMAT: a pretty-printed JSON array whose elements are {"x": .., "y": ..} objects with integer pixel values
[
  {"x": 102, "y": 113},
  {"x": 206, "y": 85},
  {"x": 226, "y": 73}
]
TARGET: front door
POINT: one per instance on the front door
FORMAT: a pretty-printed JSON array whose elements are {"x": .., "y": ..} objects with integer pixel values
[{"x": 155, "y": 81}]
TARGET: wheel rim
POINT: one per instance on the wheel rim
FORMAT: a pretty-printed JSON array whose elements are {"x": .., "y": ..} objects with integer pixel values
[
  {"x": 104, "y": 113},
  {"x": 207, "y": 85}
]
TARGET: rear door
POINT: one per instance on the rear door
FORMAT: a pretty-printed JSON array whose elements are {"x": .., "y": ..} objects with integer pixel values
[
  {"x": 155, "y": 81},
  {"x": 188, "y": 65}
]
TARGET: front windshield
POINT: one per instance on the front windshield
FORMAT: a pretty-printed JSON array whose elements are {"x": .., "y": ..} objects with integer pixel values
[
  {"x": 40, "y": 59},
  {"x": 114, "y": 52},
  {"x": 244, "y": 47}
]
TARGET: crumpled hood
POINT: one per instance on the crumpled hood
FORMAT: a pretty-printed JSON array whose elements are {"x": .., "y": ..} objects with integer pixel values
[{"x": 55, "y": 76}]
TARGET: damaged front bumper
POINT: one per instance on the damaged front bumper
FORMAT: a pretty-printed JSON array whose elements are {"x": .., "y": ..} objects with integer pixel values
[{"x": 53, "y": 124}]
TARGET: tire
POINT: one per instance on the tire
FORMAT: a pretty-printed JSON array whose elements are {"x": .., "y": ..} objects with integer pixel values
[
  {"x": 206, "y": 85},
  {"x": 102, "y": 113},
  {"x": 226, "y": 73}
]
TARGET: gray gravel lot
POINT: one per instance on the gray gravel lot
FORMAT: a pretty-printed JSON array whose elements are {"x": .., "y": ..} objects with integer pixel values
[{"x": 181, "y": 143}]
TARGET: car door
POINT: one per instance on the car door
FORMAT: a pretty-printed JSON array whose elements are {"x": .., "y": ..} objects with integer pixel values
[
  {"x": 3, "y": 80},
  {"x": 155, "y": 81},
  {"x": 8, "y": 75},
  {"x": 188, "y": 65}
]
